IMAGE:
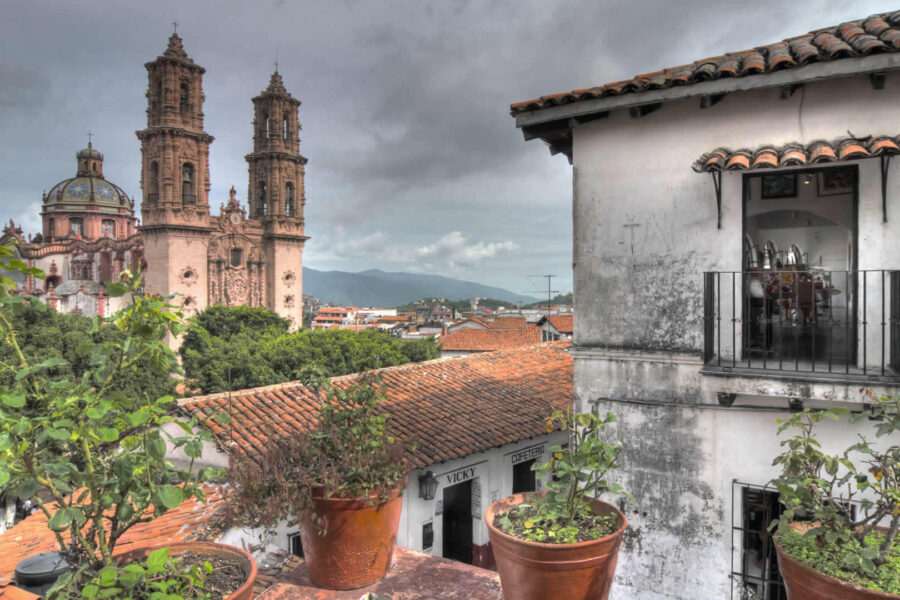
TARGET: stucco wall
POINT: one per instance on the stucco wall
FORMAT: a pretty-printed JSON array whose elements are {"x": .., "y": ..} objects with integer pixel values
[
  {"x": 645, "y": 231},
  {"x": 645, "y": 223}
]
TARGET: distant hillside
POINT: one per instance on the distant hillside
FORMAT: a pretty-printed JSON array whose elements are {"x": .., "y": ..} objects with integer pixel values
[{"x": 378, "y": 288}]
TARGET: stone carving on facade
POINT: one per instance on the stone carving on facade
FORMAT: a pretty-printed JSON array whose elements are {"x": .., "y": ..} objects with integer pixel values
[
  {"x": 189, "y": 276},
  {"x": 236, "y": 271},
  {"x": 289, "y": 301},
  {"x": 289, "y": 278}
]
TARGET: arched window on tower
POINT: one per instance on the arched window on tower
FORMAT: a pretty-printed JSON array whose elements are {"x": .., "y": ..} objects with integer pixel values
[
  {"x": 188, "y": 193},
  {"x": 153, "y": 194},
  {"x": 184, "y": 101},
  {"x": 160, "y": 94},
  {"x": 262, "y": 204},
  {"x": 51, "y": 228},
  {"x": 76, "y": 226},
  {"x": 289, "y": 199},
  {"x": 268, "y": 126},
  {"x": 284, "y": 128},
  {"x": 108, "y": 228}
]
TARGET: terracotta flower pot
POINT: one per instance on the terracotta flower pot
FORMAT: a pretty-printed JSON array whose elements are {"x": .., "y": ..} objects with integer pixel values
[
  {"x": 805, "y": 583},
  {"x": 536, "y": 571},
  {"x": 348, "y": 542},
  {"x": 248, "y": 564}
]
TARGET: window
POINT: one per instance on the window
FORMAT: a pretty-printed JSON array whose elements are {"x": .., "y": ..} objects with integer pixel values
[
  {"x": 76, "y": 226},
  {"x": 262, "y": 200},
  {"x": 188, "y": 195},
  {"x": 284, "y": 128},
  {"x": 268, "y": 126},
  {"x": 108, "y": 228},
  {"x": 51, "y": 228},
  {"x": 236, "y": 257},
  {"x": 427, "y": 536},
  {"x": 184, "y": 101},
  {"x": 154, "y": 182},
  {"x": 106, "y": 267},
  {"x": 295, "y": 544},
  {"x": 289, "y": 199},
  {"x": 757, "y": 574}
]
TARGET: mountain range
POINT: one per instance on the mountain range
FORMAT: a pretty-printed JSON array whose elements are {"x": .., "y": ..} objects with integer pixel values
[{"x": 383, "y": 289}]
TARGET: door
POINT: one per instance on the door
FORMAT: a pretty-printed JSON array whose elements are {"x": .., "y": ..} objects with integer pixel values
[
  {"x": 523, "y": 477},
  {"x": 458, "y": 522}
]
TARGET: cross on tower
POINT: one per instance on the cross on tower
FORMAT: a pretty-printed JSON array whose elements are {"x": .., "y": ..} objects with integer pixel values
[
  {"x": 276, "y": 58},
  {"x": 90, "y": 136},
  {"x": 175, "y": 26}
]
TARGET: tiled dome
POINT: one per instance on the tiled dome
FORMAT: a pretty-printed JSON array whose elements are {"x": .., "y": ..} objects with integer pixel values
[{"x": 88, "y": 187}]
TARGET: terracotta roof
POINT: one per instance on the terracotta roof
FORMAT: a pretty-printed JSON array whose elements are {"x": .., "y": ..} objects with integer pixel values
[
  {"x": 447, "y": 408},
  {"x": 876, "y": 34},
  {"x": 797, "y": 155},
  {"x": 485, "y": 340},
  {"x": 191, "y": 520},
  {"x": 508, "y": 323},
  {"x": 562, "y": 323}
]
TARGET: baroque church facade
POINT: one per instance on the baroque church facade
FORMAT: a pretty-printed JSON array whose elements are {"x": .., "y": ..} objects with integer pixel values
[{"x": 250, "y": 256}]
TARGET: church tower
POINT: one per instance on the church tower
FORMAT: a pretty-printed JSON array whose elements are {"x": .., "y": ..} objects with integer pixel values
[
  {"x": 175, "y": 176},
  {"x": 276, "y": 196}
]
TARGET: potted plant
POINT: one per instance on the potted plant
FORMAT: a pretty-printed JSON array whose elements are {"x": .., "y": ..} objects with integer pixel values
[
  {"x": 562, "y": 542},
  {"x": 837, "y": 535},
  {"x": 96, "y": 454},
  {"x": 342, "y": 481}
]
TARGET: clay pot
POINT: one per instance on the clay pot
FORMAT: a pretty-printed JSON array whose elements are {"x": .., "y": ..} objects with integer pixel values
[
  {"x": 248, "y": 564},
  {"x": 536, "y": 571},
  {"x": 348, "y": 542},
  {"x": 805, "y": 583}
]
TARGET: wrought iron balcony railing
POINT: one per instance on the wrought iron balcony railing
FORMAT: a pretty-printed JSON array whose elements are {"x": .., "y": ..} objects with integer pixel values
[{"x": 805, "y": 321}]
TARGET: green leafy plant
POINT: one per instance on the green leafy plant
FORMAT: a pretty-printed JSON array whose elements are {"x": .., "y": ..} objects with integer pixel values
[
  {"x": 159, "y": 577},
  {"x": 823, "y": 489},
  {"x": 96, "y": 453},
  {"x": 576, "y": 474},
  {"x": 347, "y": 453}
]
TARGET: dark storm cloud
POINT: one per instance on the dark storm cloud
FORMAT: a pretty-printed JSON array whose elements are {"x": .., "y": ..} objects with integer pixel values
[{"x": 415, "y": 162}]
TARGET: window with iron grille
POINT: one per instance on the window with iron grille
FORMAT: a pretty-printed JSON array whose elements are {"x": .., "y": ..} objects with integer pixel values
[{"x": 754, "y": 566}]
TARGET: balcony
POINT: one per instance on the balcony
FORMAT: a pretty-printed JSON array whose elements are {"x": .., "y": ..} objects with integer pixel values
[{"x": 812, "y": 325}]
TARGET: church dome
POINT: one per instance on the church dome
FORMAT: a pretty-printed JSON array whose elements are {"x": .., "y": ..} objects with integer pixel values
[{"x": 88, "y": 190}]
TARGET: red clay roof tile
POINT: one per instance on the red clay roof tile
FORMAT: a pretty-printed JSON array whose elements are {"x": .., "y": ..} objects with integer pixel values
[
  {"x": 855, "y": 39},
  {"x": 446, "y": 408},
  {"x": 191, "y": 520},
  {"x": 485, "y": 340},
  {"x": 793, "y": 154}
]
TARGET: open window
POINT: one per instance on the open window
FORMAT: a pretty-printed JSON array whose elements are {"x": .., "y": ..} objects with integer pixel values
[
  {"x": 289, "y": 199},
  {"x": 188, "y": 188}
]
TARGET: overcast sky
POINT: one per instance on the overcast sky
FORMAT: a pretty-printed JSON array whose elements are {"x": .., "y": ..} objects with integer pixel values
[{"x": 414, "y": 161}]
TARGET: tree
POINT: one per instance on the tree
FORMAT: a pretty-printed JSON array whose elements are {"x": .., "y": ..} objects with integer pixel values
[
  {"x": 250, "y": 349},
  {"x": 43, "y": 333}
]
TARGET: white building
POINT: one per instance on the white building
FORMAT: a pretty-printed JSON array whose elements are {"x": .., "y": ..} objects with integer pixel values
[
  {"x": 478, "y": 425},
  {"x": 695, "y": 330}
]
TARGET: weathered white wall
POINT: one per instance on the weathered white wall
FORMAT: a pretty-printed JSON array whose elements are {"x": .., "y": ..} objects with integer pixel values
[{"x": 645, "y": 231}]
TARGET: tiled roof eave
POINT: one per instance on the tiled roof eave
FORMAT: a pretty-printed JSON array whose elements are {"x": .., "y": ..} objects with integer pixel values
[
  {"x": 603, "y": 99},
  {"x": 797, "y": 155}
]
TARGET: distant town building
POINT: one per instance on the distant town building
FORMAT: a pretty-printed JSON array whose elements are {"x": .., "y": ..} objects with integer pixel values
[
  {"x": 556, "y": 327},
  {"x": 470, "y": 341}
]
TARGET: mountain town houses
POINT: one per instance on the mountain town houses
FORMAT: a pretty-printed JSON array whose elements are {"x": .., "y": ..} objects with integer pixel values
[{"x": 734, "y": 262}]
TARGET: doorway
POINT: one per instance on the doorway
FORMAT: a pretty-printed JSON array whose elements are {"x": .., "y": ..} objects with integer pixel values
[
  {"x": 523, "y": 477},
  {"x": 800, "y": 238},
  {"x": 457, "y": 529}
]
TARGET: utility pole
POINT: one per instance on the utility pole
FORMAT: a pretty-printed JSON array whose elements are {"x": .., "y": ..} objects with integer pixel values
[{"x": 550, "y": 291}]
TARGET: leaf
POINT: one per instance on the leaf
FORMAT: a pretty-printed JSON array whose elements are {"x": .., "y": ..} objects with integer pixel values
[
  {"x": 156, "y": 562},
  {"x": 170, "y": 496},
  {"x": 108, "y": 434},
  {"x": 61, "y": 520},
  {"x": 13, "y": 400}
]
